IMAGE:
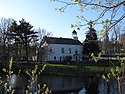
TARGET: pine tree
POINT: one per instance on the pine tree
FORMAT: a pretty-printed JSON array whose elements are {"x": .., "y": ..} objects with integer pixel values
[
  {"x": 90, "y": 45},
  {"x": 23, "y": 34}
]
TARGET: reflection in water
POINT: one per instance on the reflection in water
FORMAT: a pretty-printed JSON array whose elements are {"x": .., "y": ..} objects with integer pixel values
[
  {"x": 64, "y": 84},
  {"x": 91, "y": 86},
  {"x": 82, "y": 91}
]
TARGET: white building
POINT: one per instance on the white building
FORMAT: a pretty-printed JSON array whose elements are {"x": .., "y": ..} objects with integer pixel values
[{"x": 58, "y": 49}]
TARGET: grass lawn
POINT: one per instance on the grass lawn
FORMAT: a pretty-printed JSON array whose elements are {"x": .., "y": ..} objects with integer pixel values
[
  {"x": 61, "y": 69},
  {"x": 97, "y": 69},
  {"x": 74, "y": 69}
]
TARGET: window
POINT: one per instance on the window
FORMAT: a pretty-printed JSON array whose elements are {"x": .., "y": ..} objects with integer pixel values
[
  {"x": 76, "y": 52},
  {"x": 54, "y": 57},
  {"x": 69, "y": 51},
  {"x": 62, "y": 50},
  {"x": 60, "y": 58},
  {"x": 50, "y": 50}
]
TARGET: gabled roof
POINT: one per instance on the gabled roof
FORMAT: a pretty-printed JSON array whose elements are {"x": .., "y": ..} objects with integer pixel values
[{"x": 67, "y": 41}]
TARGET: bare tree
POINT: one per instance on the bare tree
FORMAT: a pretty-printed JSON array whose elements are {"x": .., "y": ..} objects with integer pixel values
[
  {"x": 4, "y": 25},
  {"x": 41, "y": 33},
  {"x": 117, "y": 34},
  {"x": 122, "y": 38}
]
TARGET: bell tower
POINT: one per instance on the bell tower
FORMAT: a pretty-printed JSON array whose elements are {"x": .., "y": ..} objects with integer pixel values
[{"x": 74, "y": 35}]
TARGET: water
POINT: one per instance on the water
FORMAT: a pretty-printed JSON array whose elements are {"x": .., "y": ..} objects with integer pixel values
[{"x": 63, "y": 84}]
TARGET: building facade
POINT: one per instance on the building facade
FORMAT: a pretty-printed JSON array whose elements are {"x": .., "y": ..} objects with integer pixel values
[{"x": 59, "y": 49}]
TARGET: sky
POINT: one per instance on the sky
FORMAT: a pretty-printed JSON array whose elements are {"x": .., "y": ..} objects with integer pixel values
[{"x": 41, "y": 13}]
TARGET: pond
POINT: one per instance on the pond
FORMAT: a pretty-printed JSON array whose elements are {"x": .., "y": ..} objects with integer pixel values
[{"x": 62, "y": 84}]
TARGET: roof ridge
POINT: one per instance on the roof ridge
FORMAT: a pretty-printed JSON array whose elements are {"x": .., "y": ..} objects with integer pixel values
[
  {"x": 68, "y": 41},
  {"x": 59, "y": 38}
]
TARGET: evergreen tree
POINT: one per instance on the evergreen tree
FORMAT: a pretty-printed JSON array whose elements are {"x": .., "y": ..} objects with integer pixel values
[
  {"x": 90, "y": 45},
  {"x": 23, "y": 34}
]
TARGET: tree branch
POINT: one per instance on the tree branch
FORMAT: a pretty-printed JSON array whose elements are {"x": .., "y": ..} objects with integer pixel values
[{"x": 121, "y": 18}]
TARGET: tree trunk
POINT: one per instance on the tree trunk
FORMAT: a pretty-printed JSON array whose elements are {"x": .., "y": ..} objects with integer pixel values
[
  {"x": 26, "y": 46},
  {"x": 4, "y": 47},
  {"x": 119, "y": 87}
]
